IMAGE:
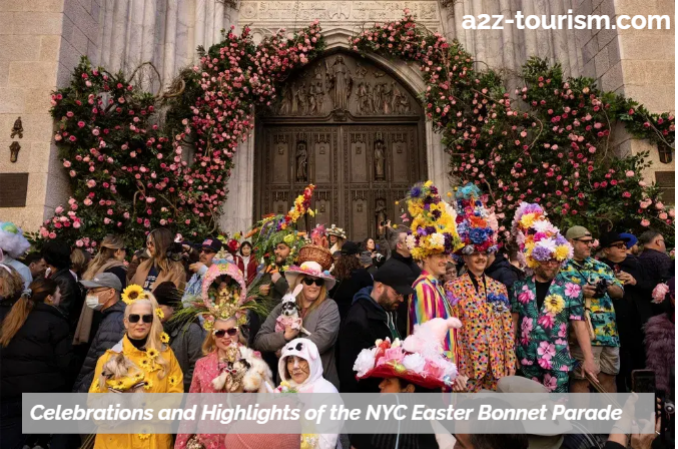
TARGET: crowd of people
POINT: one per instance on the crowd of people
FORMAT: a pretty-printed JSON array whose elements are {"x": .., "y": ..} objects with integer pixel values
[{"x": 288, "y": 311}]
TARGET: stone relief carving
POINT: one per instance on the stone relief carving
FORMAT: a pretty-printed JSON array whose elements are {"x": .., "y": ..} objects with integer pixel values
[
  {"x": 380, "y": 215},
  {"x": 329, "y": 11},
  {"x": 341, "y": 84}
]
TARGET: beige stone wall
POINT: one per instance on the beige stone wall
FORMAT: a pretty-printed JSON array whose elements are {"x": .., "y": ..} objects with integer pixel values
[
  {"x": 40, "y": 43},
  {"x": 637, "y": 63}
]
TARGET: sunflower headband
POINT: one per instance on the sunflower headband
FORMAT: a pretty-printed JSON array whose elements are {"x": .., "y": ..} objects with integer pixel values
[{"x": 135, "y": 292}]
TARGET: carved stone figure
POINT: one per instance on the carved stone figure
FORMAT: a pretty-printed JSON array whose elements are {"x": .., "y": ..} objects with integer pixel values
[
  {"x": 340, "y": 83},
  {"x": 376, "y": 97},
  {"x": 17, "y": 129},
  {"x": 302, "y": 99},
  {"x": 14, "y": 149},
  {"x": 318, "y": 89},
  {"x": 286, "y": 105},
  {"x": 364, "y": 102},
  {"x": 302, "y": 162},
  {"x": 380, "y": 213},
  {"x": 386, "y": 98},
  {"x": 401, "y": 104},
  {"x": 379, "y": 161}
]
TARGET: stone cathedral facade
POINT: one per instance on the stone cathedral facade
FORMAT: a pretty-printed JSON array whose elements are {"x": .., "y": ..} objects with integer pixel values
[{"x": 362, "y": 160}]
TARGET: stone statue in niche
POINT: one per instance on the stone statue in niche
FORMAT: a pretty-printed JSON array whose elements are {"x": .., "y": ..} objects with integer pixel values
[
  {"x": 380, "y": 213},
  {"x": 340, "y": 83},
  {"x": 14, "y": 149},
  {"x": 376, "y": 97},
  {"x": 302, "y": 162},
  {"x": 281, "y": 148},
  {"x": 17, "y": 129},
  {"x": 322, "y": 147},
  {"x": 379, "y": 161},
  {"x": 364, "y": 103}
]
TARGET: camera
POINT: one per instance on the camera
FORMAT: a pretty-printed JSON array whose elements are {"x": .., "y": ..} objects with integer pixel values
[
  {"x": 601, "y": 288},
  {"x": 175, "y": 252}
]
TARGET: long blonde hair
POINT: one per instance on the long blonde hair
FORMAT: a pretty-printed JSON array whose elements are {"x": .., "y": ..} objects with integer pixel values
[
  {"x": 110, "y": 245},
  {"x": 321, "y": 296},
  {"x": 121, "y": 365}
]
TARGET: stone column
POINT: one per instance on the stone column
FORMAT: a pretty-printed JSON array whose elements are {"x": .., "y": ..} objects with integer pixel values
[{"x": 238, "y": 209}]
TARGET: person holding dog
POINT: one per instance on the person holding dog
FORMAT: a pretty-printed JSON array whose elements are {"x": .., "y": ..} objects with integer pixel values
[
  {"x": 318, "y": 311},
  {"x": 228, "y": 365},
  {"x": 141, "y": 361}
]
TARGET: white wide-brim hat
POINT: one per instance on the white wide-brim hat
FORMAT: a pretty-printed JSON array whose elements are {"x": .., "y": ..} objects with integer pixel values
[{"x": 310, "y": 269}]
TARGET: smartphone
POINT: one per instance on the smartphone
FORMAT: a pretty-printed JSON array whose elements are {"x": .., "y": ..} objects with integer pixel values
[{"x": 643, "y": 381}]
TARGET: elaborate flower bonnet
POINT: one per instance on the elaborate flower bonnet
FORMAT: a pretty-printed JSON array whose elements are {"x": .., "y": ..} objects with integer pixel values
[
  {"x": 538, "y": 239},
  {"x": 477, "y": 225},
  {"x": 419, "y": 359},
  {"x": 433, "y": 228},
  {"x": 12, "y": 240}
]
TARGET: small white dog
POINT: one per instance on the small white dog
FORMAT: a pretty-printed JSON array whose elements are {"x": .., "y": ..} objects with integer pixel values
[{"x": 289, "y": 316}]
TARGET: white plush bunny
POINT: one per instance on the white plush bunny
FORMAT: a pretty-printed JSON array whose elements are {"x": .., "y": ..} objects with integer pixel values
[{"x": 289, "y": 316}]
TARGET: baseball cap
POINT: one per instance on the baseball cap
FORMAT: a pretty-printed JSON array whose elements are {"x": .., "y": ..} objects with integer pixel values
[
  {"x": 397, "y": 276},
  {"x": 350, "y": 249},
  {"x": 631, "y": 239},
  {"x": 578, "y": 232},
  {"x": 108, "y": 280},
  {"x": 611, "y": 237},
  {"x": 366, "y": 258},
  {"x": 212, "y": 245}
]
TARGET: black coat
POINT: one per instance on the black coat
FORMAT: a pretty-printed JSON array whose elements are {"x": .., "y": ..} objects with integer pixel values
[
  {"x": 110, "y": 331},
  {"x": 657, "y": 267},
  {"x": 346, "y": 289},
  {"x": 38, "y": 356},
  {"x": 365, "y": 323},
  {"x": 186, "y": 342},
  {"x": 403, "y": 309},
  {"x": 501, "y": 270},
  {"x": 71, "y": 296}
]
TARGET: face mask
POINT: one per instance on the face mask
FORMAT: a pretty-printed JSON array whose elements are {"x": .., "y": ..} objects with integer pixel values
[{"x": 93, "y": 302}]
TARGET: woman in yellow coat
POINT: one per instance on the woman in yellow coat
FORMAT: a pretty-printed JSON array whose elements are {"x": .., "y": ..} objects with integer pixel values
[{"x": 141, "y": 361}]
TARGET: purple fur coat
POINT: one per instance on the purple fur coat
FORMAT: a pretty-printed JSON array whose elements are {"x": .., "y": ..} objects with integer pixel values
[{"x": 660, "y": 349}]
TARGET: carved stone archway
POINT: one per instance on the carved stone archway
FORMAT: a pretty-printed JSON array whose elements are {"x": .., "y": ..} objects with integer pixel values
[{"x": 351, "y": 127}]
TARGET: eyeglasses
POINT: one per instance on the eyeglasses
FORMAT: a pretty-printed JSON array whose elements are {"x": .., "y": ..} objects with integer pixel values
[
  {"x": 134, "y": 318},
  {"x": 207, "y": 251},
  {"x": 220, "y": 333},
  {"x": 585, "y": 242},
  {"x": 618, "y": 245},
  {"x": 317, "y": 281}
]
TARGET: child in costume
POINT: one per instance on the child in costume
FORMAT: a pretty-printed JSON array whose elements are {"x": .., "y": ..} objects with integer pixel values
[{"x": 486, "y": 339}]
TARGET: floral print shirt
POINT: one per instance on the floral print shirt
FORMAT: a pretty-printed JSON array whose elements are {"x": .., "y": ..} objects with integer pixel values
[
  {"x": 486, "y": 338},
  {"x": 542, "y": 338},
  {"x": 602, "y": 314}
]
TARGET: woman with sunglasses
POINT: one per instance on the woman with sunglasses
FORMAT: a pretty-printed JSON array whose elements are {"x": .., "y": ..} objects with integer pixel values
[
  {"x": 319, "y": 313},
  {"x": 147, "y": 362},
  {"x": 159, "y": 268},
  {"x": 228, "y": 365}
]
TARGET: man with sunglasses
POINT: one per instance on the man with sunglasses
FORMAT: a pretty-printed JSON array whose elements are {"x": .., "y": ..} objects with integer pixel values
[
  {"x": 210, "y": 248},
  {"x": 630, "y": 308},
  {"x": 599, "y": 285}
]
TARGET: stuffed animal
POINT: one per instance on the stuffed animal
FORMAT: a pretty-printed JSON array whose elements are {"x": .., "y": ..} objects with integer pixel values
[
  {"x": 427, "y": 337},
  {"x": 289, "y": 316}
]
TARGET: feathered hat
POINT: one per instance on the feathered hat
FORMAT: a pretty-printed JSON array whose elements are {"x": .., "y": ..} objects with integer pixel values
[
  {"x": 419, "y": 359},
  {"x": 433, "y": 227},
  {"x": 12, "y": 240},
  {"x": 538, "y": 239},
  {"x": 477, "y": 225}
]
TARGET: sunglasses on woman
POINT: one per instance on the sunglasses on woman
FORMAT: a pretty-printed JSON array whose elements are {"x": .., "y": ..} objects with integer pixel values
[
  {"x": 220, "y": 333},
  {"x": 134, "y": 318},
  {"x": 317, "y": 281}
]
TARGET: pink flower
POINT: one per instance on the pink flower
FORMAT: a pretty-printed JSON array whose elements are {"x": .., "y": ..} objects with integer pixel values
[
  {"x": 630, "y": 174},
  {"x": 76, "y": 224},
  {"x": 659, "y": 205},
  {"x": 645, "y": 223},
  {"x": 572, "y": 290},
  {"x": 626, "y": 194},
  {"x": 562, "y": 330},
  {"x": 52, "y": 235},
  {"x": 663, "y": 216},
  {"x": 59, "y": 210},
  {"x": 550, "y": 382},
  {"x": 659, "y": 293},
  {"x": 87, "y": 202},
  {"x": 546, "y": 321},
  {"x": 546, "y": 350},
  {"x": 91, "y": 183},
  {"x": 525, "y": 295},
  {"x": 544, "y": 363},
  {"x": 526, "y": 362},
  {"x": 79, "y": 243}
]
